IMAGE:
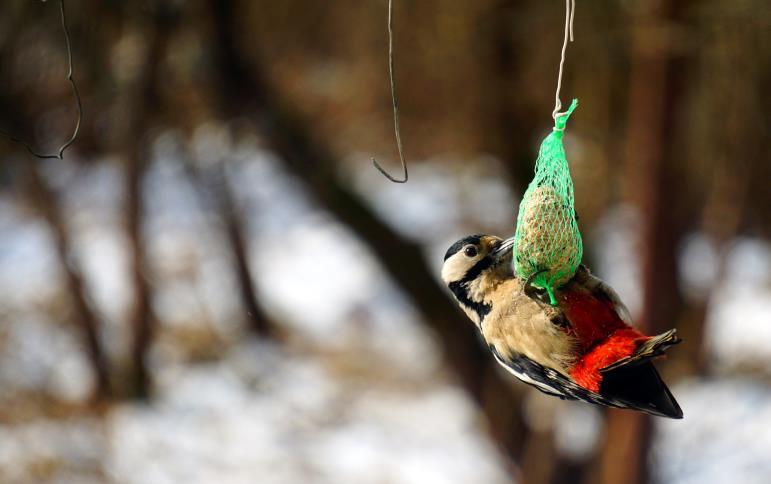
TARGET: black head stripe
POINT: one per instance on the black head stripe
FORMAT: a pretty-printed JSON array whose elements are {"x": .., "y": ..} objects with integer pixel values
[
  {"x": 460, "y": 288},
  {"x": 478, "y": 268},
  {"x": 457, "y": 246},
  {"x": 461, "y": 293}
]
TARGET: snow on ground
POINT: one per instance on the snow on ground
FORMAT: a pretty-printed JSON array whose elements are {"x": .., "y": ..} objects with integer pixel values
[
  {"x": 263, "y": 415},
  {"x": 296, "y": 422},
  {"x": 614, "y": 244},
  {"x": 724, "y": 437},
  {"x": 29, "y": 274},
  {"x": 739, "y": 317},
  {"x": 445, "y": 199},
  {"x": 47, "y": 451},
  {"x": 36, "y": 354}
]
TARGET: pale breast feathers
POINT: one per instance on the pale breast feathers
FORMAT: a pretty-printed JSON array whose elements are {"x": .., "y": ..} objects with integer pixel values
[{"x": 518, "y": 325}]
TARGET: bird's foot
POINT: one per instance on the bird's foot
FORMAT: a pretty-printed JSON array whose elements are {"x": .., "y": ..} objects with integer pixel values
[{"x": 536, "y": 293}]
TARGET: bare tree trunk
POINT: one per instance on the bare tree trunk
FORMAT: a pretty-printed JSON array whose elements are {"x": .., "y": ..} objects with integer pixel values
[
  {"x": 46, "y": 202},
  {"x": 145, "y": 101},
  {"x": 141, "y": 319},
  {"x": 656, "y": 85},
  {"x": 260, "y": 322},
  {"x": 730, "y": 149},
  {"x": 218, "y": 193}
]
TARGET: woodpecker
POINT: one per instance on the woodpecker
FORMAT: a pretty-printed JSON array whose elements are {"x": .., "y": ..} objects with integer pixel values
[{"x": 582, "y": 348}]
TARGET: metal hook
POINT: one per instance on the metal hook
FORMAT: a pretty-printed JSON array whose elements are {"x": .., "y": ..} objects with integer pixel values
[
  {"x": 60, "y": 154},
  {"x": 395, "y": 103}
]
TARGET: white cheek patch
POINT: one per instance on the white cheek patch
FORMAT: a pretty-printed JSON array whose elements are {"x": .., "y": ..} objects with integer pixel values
[{"x": 455, "y": 268}]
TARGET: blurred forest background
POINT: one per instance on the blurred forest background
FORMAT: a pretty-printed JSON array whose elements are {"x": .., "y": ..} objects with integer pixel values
[{"x": 215, "y": 285}]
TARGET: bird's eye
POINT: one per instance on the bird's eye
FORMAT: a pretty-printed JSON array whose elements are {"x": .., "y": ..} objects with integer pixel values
[{"x": 470, "y": 251}]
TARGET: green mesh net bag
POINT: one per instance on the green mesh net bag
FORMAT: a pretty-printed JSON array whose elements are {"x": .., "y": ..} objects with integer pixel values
[{"x": 547, "y": 243}]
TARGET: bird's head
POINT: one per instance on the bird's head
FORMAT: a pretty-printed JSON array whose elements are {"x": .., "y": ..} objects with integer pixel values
[{"x": 472, "y": 266}]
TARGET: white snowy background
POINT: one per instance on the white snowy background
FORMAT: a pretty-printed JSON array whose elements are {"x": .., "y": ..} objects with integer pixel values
[{"x": 361, "y": 395}]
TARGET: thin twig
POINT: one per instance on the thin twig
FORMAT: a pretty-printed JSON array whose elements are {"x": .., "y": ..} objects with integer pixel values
[
  {"x": 75, "y": 93},
  {"x": 395, "y": 103}
]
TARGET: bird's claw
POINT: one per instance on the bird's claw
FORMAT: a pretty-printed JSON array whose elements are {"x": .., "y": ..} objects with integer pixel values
[{"x": 530, "y": 290}]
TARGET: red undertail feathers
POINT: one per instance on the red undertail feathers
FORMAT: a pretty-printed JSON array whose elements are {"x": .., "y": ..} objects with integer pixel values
[
  {"x": 603, "y": 337},
  {"x": 621, "y": 344}
]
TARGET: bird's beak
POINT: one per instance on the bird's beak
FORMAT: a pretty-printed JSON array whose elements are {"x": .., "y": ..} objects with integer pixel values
[{"x": 504, "y": 248}]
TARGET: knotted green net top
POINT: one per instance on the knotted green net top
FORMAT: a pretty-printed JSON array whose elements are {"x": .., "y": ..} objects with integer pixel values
[{"x": 547, "y": 243}]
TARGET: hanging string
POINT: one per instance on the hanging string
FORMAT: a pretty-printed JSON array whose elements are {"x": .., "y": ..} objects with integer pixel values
[
  {"x": 60, "y": 154},
  {"x": 395, "y": 104},
  {"x": 570, "y": 11}
]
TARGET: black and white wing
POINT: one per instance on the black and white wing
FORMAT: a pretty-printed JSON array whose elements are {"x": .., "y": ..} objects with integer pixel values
[{"x": 637, "y": 387}]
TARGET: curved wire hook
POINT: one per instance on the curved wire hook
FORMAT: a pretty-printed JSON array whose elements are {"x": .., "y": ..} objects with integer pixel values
[
  {"x": 395, "y": 103},
  {"x": 60, "y": 154}
]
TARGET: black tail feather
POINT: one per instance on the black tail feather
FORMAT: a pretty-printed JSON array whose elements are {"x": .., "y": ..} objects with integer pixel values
[{"x": 640, "y": 387}]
